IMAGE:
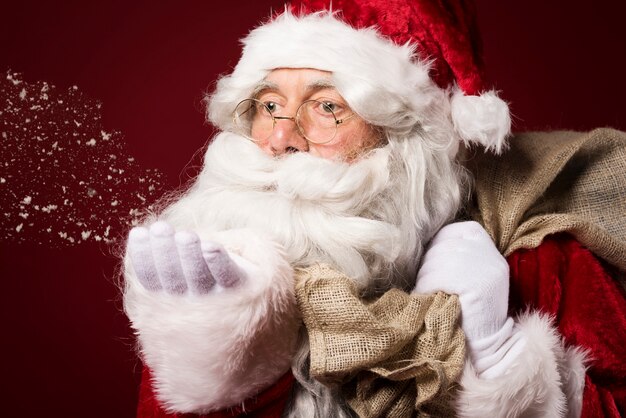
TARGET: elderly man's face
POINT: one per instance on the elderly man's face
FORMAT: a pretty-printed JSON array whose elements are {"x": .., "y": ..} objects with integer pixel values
[{"x": 283, "y": 91}]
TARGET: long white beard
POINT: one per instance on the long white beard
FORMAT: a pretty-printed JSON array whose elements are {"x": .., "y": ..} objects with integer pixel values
[
  {"x": 370, "y": 218},
  {"x": 357, "y": 217}
]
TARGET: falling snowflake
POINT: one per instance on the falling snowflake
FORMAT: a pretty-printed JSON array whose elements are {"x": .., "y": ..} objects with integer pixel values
[{"x": 64, "y": 178}]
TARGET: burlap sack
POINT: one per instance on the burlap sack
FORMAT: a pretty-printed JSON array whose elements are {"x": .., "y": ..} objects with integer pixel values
[
  {"x": 556, "y": 182},
  {"x": 400, "y": 355},
  {"x": 396, "y": 356}
]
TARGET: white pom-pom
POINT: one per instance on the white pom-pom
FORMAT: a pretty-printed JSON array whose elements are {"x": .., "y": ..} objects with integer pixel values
[{"x": 483, "y": 119}]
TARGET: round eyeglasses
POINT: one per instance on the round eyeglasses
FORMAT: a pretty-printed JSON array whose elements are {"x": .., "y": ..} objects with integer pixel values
[{"x": 315, "y": 120}]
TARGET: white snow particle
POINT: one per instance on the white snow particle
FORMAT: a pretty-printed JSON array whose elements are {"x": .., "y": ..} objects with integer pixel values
[
  {"x": 49, "y": 208},
  {"x": 15, "y": 81}
]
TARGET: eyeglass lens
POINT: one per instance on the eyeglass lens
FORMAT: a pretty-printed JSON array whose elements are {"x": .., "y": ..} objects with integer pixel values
[{"x": 314, "y": 119}]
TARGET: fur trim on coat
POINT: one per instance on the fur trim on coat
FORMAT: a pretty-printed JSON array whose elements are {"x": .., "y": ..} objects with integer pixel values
[
  {"x": 546, "y": 380},
  {"x": 209, "y": 352}
]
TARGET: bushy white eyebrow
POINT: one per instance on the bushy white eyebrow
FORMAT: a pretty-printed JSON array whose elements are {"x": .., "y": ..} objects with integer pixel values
[
  {"x": 264, "y": 85},
  {"x": 318, "y": 84},
  {"x": 321, "y": 83}
]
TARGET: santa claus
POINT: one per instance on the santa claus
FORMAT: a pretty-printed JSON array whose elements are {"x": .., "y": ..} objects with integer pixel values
[{"x": 337, "y": 149}]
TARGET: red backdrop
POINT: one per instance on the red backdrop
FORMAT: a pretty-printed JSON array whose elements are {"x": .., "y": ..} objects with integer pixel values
[{"x": 67, "y": 347}]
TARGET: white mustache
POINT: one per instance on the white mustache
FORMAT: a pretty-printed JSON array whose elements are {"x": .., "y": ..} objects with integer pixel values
[{"x": 235, "y": 161}]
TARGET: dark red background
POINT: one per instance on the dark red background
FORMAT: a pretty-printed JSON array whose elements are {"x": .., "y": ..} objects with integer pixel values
[{"x": 67, "y": 348}]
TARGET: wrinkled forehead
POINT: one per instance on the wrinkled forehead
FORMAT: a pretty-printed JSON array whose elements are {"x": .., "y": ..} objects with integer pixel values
[{"x": 300, "y": 80}]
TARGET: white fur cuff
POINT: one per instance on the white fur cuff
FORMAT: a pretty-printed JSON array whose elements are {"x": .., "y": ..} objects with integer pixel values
[
  {"x": 212, "y": 351},
  {"x": 534, "y": 385}
]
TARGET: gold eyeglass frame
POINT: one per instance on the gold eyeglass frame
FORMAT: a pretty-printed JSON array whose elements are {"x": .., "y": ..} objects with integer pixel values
[{"x": 294, "y": 119}]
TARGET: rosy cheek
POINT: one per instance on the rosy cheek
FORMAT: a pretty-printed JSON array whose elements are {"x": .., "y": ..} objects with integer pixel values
[
  {"x": 266, "y": 148},
  {"x": 329, "y": 151},
  {"x": 345, "y": 143},
  {"x": 258, "y": 135}
]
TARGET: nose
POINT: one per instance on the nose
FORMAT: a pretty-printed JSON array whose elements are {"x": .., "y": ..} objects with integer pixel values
[{"x": 286, "y": 138}]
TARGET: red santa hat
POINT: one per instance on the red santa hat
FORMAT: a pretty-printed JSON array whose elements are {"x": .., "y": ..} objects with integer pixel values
[{"x": 383, "y": 55}]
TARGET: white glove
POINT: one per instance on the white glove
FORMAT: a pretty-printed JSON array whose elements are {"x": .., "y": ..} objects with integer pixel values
[
  {"x": 462, "y": 259},
  {"x": 216, "y": 324},
  {"x": 179, "y": 262}
]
